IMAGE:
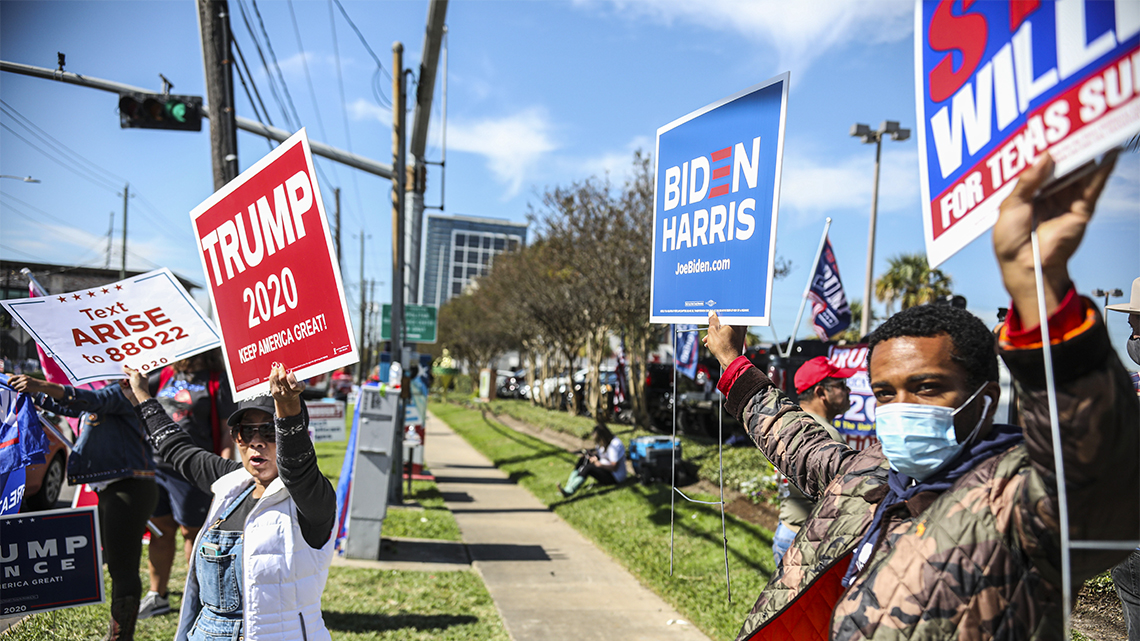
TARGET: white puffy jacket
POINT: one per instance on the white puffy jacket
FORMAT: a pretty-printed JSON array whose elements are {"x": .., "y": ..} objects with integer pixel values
[{"x": 283, "y": 577}]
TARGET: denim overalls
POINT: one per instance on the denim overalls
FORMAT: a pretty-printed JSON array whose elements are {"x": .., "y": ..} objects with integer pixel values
[{"x": 219, "y": 569}]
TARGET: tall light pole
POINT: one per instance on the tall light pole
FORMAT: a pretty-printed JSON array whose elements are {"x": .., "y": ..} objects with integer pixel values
[
  {"x": 1115, "y": 293},
  {"x": 891, "y": 128}
]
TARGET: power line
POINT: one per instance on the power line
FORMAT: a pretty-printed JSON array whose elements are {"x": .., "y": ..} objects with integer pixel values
[
  {"x": 249, "y": 96},
  {"x": 376, "y": 85},
  {"x": 276, "y": 66},
  {"x": 90, "y": 177},
  {"x": 265, "y": 65},
  {"x": 32, "y": 127},
  {"x": 252, "y": 83},
  {"x": 305, "y": 67},
  {"x": 344, "y": 112},
  {"x": 32, "y": 219}
]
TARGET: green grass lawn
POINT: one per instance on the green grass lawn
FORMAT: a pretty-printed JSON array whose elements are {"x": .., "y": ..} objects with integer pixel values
[{"x": 631, "y": 523}]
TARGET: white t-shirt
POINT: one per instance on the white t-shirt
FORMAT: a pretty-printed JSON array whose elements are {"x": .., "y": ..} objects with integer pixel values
[{"x": 614, "y": 452}]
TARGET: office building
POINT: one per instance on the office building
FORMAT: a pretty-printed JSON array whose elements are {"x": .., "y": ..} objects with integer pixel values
[{"x": 460, "y": 249}]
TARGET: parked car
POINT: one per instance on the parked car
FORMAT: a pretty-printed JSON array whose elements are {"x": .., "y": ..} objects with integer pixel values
[
  {"x": 44, "y": 481},
  {"x": 512, "y": 385}
]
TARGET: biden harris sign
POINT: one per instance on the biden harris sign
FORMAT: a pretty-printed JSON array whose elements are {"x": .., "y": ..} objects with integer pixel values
[{"x": 714, "y": 218}]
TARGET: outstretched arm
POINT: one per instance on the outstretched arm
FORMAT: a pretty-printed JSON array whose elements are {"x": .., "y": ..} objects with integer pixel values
[{"x": 1096, "y": 407}]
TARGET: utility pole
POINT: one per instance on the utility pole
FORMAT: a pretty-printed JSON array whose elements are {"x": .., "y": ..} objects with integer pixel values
[
  {"x": 214, "y": 27},
  {"x": 425, "y": 89},
  {"x": 399, "y": 175},
  {"x": 123, "y": 265},
  {"x": 361, "y": 370},
  {"x": 336, "y": 197}
]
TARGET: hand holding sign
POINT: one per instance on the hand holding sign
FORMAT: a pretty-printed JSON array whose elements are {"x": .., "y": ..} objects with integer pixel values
[
  {"x": 286, "y": 390},
  {"x": 1061, "y": 218},
  {"x": 135, "y": 386},
  {"x": 726, "y": 342}
]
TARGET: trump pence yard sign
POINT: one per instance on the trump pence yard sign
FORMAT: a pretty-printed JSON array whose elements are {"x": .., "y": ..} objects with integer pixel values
[
  {"x": 272, "y": 272},
  {"x": 999, "y": 83},
  {"x": 714, "y": 215}
]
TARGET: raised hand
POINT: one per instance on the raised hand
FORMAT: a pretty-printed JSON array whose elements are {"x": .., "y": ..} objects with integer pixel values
[
  {"x": 1061, "y": 218},
  {"x": 726, "y": 342},
  {"x": 135, "y": 386},
  {"x": 286, "y": 390}
]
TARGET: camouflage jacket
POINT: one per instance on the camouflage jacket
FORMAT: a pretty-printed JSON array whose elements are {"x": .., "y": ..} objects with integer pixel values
[{"x": 978, "y": 561}]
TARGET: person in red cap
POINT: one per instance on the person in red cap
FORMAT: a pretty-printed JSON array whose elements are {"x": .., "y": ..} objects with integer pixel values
[{"x": 824, "y": 394}]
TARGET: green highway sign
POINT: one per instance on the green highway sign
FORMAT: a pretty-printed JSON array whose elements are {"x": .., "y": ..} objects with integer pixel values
[{"x": 419, "y": 323}]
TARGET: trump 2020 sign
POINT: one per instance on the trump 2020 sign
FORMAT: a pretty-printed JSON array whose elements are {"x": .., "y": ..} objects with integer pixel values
[
  {"x": 272, "y": 272},
  {"x": 1000, "y": 82},
  {"x": 714, "y": 216}
]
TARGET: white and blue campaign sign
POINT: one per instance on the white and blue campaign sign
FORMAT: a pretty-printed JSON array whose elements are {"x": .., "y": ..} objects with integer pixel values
[
  {"x": 50, "y": 560},
  {"x": 830, "y": 313},
  {"x": 1000, "y": 82},
  {"x": 717, "y": 191}
]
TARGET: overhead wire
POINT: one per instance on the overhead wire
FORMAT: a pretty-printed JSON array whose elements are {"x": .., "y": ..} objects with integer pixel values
[
  {"x": 265, "y": 65},
  {"x": 276, "y": 66},
  {"x": 90, "y": 177},
  {"x": 249, "y": 97},
  {"x": 377, "y": 86},
  {"x": 51, "y": 141},
  {"x": 344, "y": 113},
  {"x": 32, "y": 219},
  {"x": 253, "y": 83}
]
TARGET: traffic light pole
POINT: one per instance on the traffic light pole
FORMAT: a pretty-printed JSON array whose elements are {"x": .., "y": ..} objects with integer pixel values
[
  {"x": 335, "y": 154},
  {"x": 214, "y": 26}
]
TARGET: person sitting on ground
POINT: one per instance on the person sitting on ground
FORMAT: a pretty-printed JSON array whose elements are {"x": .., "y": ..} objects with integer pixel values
[
  {"x": 824, "y": 394},
  {"x": 261, "y": 563},
  {"x": 606, "y": 465},
  {"x": 949, "y": 526}
]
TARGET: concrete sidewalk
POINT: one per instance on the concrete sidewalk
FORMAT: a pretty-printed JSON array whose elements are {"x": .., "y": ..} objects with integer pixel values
[{"x": 548, "y": 581}]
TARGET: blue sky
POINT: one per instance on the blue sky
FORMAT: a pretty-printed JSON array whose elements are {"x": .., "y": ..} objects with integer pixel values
[{"x": 540, "y": 94}]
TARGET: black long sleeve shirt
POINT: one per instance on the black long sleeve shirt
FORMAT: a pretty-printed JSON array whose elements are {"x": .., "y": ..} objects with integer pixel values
[{"x": 296, "y": 464}]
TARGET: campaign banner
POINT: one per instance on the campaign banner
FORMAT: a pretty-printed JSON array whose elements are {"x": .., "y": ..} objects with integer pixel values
[
  {"x": 830, "y": 313},
  {"x": 272, "y": 272},
  {"x": 1001, "y": 82},
  {"x": 146, "y": 321},
  {"x": 50, "y": 560},
  {"x": 326, "y": 421},
  {"x": 716, "y": 196},
  {"x": 685, "y": 349},
  {"x": 857, "y": 424}
]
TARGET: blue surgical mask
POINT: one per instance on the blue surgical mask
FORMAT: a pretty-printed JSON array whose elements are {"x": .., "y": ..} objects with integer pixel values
[{"x": 919, "y": 439}]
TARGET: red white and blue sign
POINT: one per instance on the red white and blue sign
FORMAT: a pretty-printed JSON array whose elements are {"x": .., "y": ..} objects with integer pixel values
[
  {"x": 1000, "y": 82},
  {"x": 50, "y": 560},
  {"x": 717, "y": 192},
  {"x": 830, "y": 313}
]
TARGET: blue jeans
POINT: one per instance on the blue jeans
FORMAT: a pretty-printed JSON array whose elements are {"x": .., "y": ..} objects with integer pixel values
[
  {"x": 1126, "y": 577},
  {"x": 781, "y": 541}
]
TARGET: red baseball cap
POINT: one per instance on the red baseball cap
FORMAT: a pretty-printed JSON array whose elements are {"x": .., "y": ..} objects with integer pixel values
[{"x": 818, "y": 369}]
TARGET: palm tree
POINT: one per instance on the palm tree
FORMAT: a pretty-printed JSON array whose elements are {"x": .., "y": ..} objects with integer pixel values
[{"x": 911, "y": 281}]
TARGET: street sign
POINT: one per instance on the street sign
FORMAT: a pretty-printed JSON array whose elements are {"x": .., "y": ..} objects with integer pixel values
[
  {"x": 272, "y": 272},
  {"x": 998, "y": 83},
  {"x": 146, "y": 321},
  {"x": 419, "y": 323},
  {"x": 714, "y": 219},
  {"x": 50, "y": 560}
]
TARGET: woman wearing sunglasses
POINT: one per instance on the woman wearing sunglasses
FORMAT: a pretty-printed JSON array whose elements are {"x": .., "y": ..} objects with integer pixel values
[{"x": 261, "y": 561}]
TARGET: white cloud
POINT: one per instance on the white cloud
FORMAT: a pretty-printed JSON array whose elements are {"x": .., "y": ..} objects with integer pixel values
[
  {"x": 798, "y": 31},
  {"x": 616, "y": 163},
  {"x": 513, "y": 145},
  {"x": 811, "y": 190},
  {"x": 361, "y": 109}
]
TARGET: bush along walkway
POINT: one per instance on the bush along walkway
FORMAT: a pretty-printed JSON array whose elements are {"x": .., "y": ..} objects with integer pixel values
[{"x": 630, "y": 523}]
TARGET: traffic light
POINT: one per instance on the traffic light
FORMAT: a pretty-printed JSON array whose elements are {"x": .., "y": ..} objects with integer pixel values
[{"x": 160, "y": 111}]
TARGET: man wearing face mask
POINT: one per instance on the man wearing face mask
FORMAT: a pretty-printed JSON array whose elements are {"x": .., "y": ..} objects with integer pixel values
[
  {"x": 1126, "y": 576},
  {"x": 948, "y": 527}
]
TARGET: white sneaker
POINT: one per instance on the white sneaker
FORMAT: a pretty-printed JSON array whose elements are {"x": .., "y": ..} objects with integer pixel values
[{"x": 153, "y": 604}]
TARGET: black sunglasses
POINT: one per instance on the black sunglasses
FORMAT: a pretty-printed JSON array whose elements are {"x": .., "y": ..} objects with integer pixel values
[{"x": 245, "y": 431}]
